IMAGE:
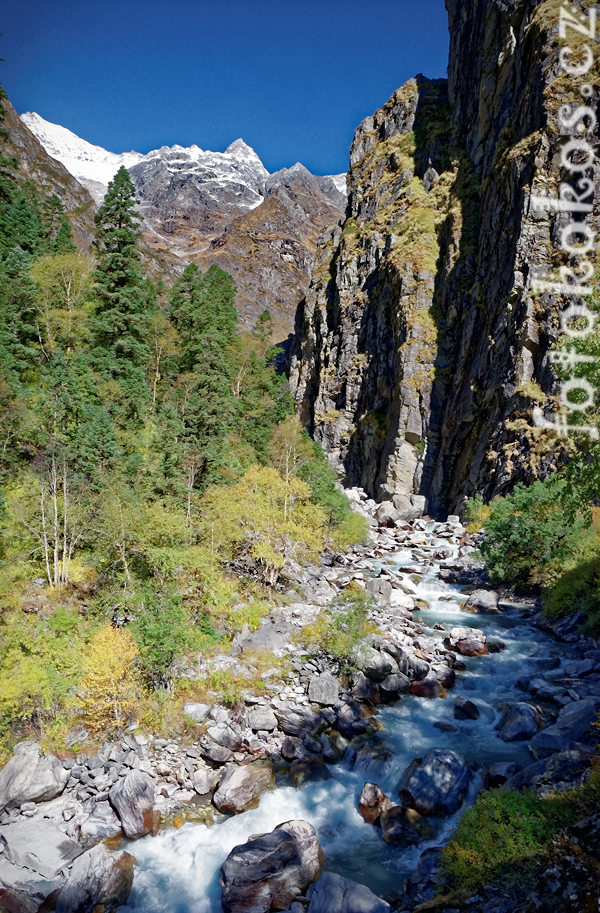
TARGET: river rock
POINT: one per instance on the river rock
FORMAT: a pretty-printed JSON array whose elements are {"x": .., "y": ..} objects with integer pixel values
[
  {"x": 324, "y": 689},
  {"x": 482, "y": 601},
  {"x": 196, "y": 712},
  {"x": 268, "y": 872},
  {"x": 100, "y": 824},
  {"x": 427, "y": 687},
  {"x": 333, "y": 894},
  {"x": 98, "y": 878},
  {"x": 376, "y": 665},
  {"x": 499, "y": 773},
  {"x": 467, "y": 641},
  {"x": 261, "y": 717},
  {"x": 372, "y": 802},
  {"x": 308, "y": 770},
  {"x": 519, "y": 722},
  {"x": 379, "y": 586},
  {"x": 37, "y": 845},
  {"x": 404, "y": 825},
  {"x": 133, "y": 800},
  {"x": 465, "y": 709},
  {"x": 436, "y": 784},
  {"x": 241, "y": 787},
  {"x": 386, "y": 514},
  {"x": 573, "y": 725},
  {"x": 393, "y": 685},
  {"x": 30, "y": 776}
]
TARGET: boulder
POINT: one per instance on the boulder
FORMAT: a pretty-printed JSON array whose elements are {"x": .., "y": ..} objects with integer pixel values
[
  {"x": 261, "y": 717},
  {"x": 436, "y": 784},
  {"x": 467, "y": 641},
  {"x": 410, "y": 665},
  {"x": 428, "y": 687},
  {"x": 100, "y": 824},
  {"x": 499, "y": 773},
  {"x": 372, "y": 802},
  {"x": 30, "y": 776},
  {"x": 333, "y": 894},
  {"x": 133, "y": 800},
  {"x": 324, "y": 689},
  {"x": 376, "y": 665},
  {"x": 201, "y": 781},
  {"x": 465, "y": 709},
  {"x": 196, "y": 712},
  {"x": 241, "y": 787},
  {"x": 482, "y": 601},
  {"x": 386, "y": 514},
  {"x": 226, "y": 736},
  {"x": 305, "y": 770},
  {"x": 98, "y": 878},
  {"x": 518, "y": 722},
  {"x": 379, "y": 586},
  {"x": 37, "y": 845},
  {"x": 404, "y": 825},
  {"x": 393, "y": 685},
  {"x": 268, "y": 872},
  {"x": 573, "y": 725}
]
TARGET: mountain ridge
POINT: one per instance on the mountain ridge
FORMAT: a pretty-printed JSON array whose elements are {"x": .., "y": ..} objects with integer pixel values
[{"x": 204, "y": 207}]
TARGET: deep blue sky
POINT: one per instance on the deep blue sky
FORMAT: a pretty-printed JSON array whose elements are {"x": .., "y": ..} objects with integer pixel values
[{"x": 292, "y": 79}]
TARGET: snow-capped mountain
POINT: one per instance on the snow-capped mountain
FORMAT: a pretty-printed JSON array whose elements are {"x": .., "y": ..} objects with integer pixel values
[
  {"x": 92, "y": 165},
  {"x": 216, "y": 207},
  {"x": 238, "y": 170}
]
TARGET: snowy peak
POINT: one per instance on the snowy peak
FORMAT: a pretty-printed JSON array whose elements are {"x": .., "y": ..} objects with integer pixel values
[{"x": 92, "y": 165}]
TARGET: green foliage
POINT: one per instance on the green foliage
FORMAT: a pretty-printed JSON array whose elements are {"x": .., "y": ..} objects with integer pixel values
[
  {"x": 475, "y": 513},
  {"x": 162, "y": 633},
  {"x": 120, "y": 323},
  {"x": 578, "y": 590},
  {"x": 340, "y": 628},
  {"x": 533, "y": 534},
  {"x": 500, "y": 834},
  {"x": 262, "y": 521}
]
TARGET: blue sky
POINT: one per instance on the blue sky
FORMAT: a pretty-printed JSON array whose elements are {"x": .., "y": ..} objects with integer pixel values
[{"x": 292, "y": 79}]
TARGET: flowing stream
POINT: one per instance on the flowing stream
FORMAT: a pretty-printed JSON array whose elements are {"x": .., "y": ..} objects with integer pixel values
[{"x": 177, "y": 871}]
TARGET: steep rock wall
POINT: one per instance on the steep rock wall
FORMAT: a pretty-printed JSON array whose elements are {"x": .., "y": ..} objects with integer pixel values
[{"x": 421, "y": 348}]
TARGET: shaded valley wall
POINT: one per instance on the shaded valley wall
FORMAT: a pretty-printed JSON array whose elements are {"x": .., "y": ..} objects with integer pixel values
[{"x": 420, "y": 346}]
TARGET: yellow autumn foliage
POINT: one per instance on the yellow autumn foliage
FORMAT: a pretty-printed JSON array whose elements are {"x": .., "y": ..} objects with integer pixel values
[{"x": 110, "y": 685}]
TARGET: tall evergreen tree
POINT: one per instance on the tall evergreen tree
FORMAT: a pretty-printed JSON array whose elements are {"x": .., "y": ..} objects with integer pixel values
[{"x": 120, "y": 324}]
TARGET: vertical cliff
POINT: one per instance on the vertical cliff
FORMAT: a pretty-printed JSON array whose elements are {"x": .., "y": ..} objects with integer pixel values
[{"x": 421, "y": 347}]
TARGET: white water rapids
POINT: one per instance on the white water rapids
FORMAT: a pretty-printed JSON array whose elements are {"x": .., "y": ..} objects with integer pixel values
[{"x": 177, "y": 871}]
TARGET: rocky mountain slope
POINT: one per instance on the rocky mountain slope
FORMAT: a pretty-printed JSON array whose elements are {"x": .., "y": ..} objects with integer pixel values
[
  {"x": 421, "y": 347},
  {"x": 217, "y": 207},
  {"x": 49, "y": 175}
]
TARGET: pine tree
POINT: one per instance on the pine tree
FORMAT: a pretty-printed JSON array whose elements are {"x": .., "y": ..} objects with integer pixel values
[{"x": 120, "y": 325}]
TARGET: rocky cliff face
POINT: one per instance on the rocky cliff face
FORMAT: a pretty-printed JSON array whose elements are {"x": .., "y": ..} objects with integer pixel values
[
  {"x": 50, "y": 176},
  {"x": 209, "y": 207},
  {"x": 420, "y": 346}
]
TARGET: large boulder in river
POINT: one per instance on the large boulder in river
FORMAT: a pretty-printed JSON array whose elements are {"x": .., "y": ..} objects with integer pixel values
[
  {"x": 268, "y": 872},
  {"x": 375, "y": 664},
  {"x": 333, "y": 894},
  {"x": 519, "y": 722},
  {"x": 372, "y": 803},
  {"x": 100, "y": 878},
  {"x": 467, "y": 641},
  {"x": 484, "y": 602},
  {"x": 241, "y": 787},
  {"x": 404, "y": 825},
  {"x": 435, "y": 784},
  {"x": 30, "y": 776},
  {"x": 38, "y": 846},
  {"x": 133, "y": 800}
]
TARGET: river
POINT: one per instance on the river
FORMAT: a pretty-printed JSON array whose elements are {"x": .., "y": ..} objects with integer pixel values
[{"x": 177, "y": 870}]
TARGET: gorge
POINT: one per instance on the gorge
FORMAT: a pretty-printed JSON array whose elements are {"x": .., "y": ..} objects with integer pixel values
[{"x": 311, "y": 630}]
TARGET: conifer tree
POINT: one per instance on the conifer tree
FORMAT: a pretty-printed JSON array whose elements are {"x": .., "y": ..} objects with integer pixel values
[{"x": 120, "y": 325}]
